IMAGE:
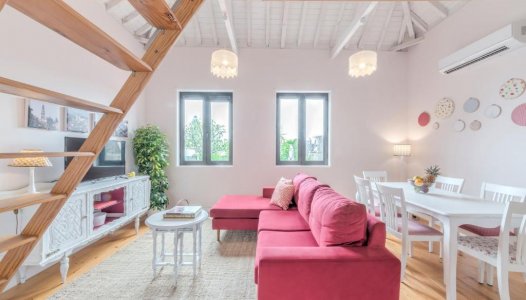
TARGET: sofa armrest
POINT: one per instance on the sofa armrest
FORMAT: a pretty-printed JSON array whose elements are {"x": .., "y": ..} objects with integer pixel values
[
  {"x": 375, "y": 232},
  {"x": 267, "y": 192},
  {"x": 313, "y": 273}
]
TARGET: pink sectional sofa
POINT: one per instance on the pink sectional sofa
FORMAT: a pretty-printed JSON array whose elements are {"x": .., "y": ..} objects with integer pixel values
[{"x": 325, "y": 248}]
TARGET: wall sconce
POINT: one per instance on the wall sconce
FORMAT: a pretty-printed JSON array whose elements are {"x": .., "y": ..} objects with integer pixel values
[{"x": 402, "y": 150}]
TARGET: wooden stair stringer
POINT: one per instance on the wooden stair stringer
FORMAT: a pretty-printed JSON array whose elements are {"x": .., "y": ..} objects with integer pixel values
[{"x": 95, "y": 142}]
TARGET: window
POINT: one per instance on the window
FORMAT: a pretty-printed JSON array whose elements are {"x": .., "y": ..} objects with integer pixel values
[
  {"x": 302, "y": 129},
  {"x": 205, "y": 123}
]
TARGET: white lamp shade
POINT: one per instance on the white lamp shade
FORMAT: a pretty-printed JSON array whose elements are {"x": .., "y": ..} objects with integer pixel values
[
  {"x": 224, "y": 64},
  {"x": 363, "y": 63},
  {"x": 31, "y": 162},
  {"x": 402, "y": 150}
]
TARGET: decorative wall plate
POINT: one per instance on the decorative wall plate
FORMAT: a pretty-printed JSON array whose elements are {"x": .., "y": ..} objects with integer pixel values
[
  {"x": 471, "y": 105},
  {"x": 475, "y": 125},
  {"x": 459, "y": 125},
  {"x": 423, "y": 119},
  {"x": 512, "y": 88},
  {"x": 444, "y": 108},
  {"x": 436, "y": 125},
  {"x": 518, "y": 116},
  {"x": 493, "y": 111}
]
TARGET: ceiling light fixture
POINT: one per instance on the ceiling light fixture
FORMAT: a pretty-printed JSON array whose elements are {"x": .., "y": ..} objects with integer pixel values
[
  {"x": 224, "y": 64},
  {"x": 363, "y": 63}
]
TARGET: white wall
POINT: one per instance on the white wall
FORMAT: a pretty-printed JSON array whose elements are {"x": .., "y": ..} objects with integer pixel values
[
  {"x": 33, "y": 54},
  {"x": 496, "y": 153},
  {"x": 367, "y": 116}
]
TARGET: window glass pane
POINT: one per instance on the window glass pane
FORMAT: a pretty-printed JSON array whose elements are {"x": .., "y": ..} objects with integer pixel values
[
  {"x": 193, "y": 130},
  {"x": 220, "y": 131},
  {"x": 314, "y": 129},
  {"x": 288, "y": 129}
]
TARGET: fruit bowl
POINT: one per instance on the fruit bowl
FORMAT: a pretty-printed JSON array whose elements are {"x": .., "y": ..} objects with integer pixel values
[{"x": 420, "y": 185}]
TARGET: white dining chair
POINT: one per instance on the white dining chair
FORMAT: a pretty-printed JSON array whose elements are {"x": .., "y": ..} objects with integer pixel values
[
  {"x": 442, "y": 183},
  {"x": 375, "y": 176},
  {"x": 397, "y": 223},
  {"x": 506, "y": 253},
  {"x": 365, "y": 194},
  {"x": 500, "y": 194}
]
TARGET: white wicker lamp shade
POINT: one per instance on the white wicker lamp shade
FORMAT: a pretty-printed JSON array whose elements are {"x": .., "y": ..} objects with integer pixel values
[
  {"x": 363, "y": 63},
  {"x": 224, "y": 64},
  {"x": 31, "y": 163}
]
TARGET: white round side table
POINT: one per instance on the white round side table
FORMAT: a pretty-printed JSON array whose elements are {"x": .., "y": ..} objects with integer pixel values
[{"x": 159, "y": 225}]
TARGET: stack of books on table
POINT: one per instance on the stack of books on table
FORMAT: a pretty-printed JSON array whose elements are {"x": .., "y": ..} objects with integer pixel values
[{"x": 182, "y": 212}]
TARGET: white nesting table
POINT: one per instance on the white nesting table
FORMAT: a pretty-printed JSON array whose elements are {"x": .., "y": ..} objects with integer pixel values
[
  {"x": 178, "y": 227},
  {"x": 452, "y": 210}
]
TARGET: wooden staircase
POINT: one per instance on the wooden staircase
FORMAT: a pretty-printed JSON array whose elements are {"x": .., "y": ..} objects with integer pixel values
[{"x": 58, "y": 16}]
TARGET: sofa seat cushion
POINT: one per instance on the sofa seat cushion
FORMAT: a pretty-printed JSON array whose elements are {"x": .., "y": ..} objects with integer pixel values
[
  {"x": 241, "y": 206},
  {"x": 289, "y": 220},
  {"x": 282, "y": 239},
  {"x": 337, "y": 221}
]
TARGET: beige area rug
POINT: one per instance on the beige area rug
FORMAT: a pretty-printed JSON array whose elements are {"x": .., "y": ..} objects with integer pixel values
[{"x": 227, "y": 272}]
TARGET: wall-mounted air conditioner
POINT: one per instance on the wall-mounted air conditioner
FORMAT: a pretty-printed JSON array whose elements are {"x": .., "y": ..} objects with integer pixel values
[{"x": 505, "y": 40}]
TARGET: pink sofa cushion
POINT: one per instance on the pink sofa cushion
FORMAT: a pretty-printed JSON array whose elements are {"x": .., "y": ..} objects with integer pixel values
[
  {"x": 289, "y": 220},
  {"x": 297, "y": 180},
  {"x": 283, "y": 193},
  {"x": 305, "y": 195},
  {"x": 241, "y": 206},
  {"x": 336, "y": 220}
]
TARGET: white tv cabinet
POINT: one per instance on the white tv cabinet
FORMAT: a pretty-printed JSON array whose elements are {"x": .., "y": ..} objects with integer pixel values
[{"x": 73, "y": 228}]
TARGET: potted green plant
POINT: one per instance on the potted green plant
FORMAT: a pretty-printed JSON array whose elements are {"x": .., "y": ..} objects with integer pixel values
[{"x": 151, "y": 150}]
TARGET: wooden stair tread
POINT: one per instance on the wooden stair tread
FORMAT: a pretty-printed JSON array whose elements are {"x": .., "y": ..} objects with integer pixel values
[
  {"x": 12, "y": 87},
  {"x": 21, "y": 201},
  {"x": 61, "y": 18},
  {"x": 45, "y": 154},
  {"x": 15, "y": 241},
  {"x": 157, "y": 13}
]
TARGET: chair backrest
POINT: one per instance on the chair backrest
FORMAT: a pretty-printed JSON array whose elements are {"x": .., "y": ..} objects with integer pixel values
[
  {"x": 365, "y": 193},
  {"x": 375, "y": 176},
  {"x": 392, "y": 201},
  {"x": 502, "y": 193},
  {"x": 449, "y": 184},
  {"x": 513, "y": 210}
]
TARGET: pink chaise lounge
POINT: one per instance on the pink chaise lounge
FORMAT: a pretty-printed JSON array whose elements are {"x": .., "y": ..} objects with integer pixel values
[{"x": 326, "y": 248}]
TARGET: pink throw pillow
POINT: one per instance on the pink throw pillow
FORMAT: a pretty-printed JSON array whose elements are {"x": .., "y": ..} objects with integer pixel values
[{"x": 283, "y": 193}]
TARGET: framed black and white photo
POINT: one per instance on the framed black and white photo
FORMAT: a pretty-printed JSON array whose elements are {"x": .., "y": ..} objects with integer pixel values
[
  {"x": 77, "y": 120},
  {"x": 42, "y": 115}
]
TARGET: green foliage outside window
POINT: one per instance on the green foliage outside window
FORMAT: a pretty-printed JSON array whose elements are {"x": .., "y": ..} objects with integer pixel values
[{"x": 219, "y": 143}]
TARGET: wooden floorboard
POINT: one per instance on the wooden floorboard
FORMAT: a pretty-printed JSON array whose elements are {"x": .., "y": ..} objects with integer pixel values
[{"x": 423, "y": 275}]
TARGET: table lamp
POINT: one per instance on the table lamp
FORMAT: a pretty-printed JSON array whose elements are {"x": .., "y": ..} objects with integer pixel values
[{"x": 31, "y": 163}]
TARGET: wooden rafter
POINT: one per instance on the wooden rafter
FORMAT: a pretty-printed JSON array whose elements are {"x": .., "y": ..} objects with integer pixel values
[
  {"x": 439, "y": 8},
  {"x": 60, "y": 17},
  {"x": 321, "y": 19},
  {"x": 248, "y": 4},
  {"x": 102, "y": 132},
  {"x": 267, "y": 24},
  {"x": 408, "y": 44},
  {"x": 226, "y": 12},
  {"x": 157, "y": 13},
  {"x": 214, "y": 26},
  {"x": 197, "y": 26},
  {"x": 338, "y": 23},
  {"x": 284, "y": 21},
  {"x": 419, "y": 22},
  {"x": 356, "y": 24},
  {"x": 302, "y": 22},
  {"x": 385, "y": 26},
  {"x": 28, "y": 91},
  {"x": 407, "y": 19}
]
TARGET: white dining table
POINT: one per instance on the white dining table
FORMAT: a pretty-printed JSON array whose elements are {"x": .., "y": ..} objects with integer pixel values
[{"x": 452, "y": 210}]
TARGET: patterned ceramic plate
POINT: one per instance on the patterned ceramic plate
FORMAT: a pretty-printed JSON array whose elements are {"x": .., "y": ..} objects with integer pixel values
[
  {"x": 459, "y": 126},
  {"x": 518, "y": 116},
  {"x": 444, "y": 108},
  {"x": 471, "y": 105},
  {"x": 424, "y": 119},
  {"x": 475, "y": 125},
  {"x": 512, "y": 88},
  {"x": 493, "y": 111}
]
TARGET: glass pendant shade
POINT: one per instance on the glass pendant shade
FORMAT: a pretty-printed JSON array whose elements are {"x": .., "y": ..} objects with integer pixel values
[
  {"x": 224, "y": 64},
  {"x": 362, "y": 63}
]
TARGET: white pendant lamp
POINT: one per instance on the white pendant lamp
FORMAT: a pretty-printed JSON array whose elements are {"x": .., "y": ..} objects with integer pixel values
[
  {"x": 362, "y": 63},
  {"x": 224, "y": 64}
]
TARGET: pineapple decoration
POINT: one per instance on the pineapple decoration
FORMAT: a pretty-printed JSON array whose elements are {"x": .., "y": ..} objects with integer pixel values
[{"x": 431, "y": 174}]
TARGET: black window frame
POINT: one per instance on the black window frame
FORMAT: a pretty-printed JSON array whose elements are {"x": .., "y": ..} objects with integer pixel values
[
  {"x": 208, "y": 98},
  {"x": 302, "y": 97}
]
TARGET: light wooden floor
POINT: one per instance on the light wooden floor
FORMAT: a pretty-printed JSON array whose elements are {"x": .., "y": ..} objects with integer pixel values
[{"x": 423, "y": 275}]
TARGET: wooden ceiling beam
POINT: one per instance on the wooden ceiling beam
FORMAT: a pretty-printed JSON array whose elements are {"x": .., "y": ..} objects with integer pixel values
[
  {"x": 321, "y": 18},
  {"x": 338, "y": 23},
  {"x": 302, "y": 22},
  {"x": 407, "y": 19},
  {"x": 419, "y": 22},
  {"x": 249, "y": 22},
  {"x": 385, "y": 26},
  {"x": 408, "y": 44},
  {"x": 267, "y": 24},
  {"x": 226, "y": 12},
  {"x": 16, "y": 88},
  {"x": 439, "y": 8},
  {"x": 61, "y": 18},
  {"x": 284, "y": 24},
  {"x": 350, "y": 31},
  {"x": 198, "y": 30},
  {"x": 157, "y": 13},
  {"x": 214, "y": 26}
]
